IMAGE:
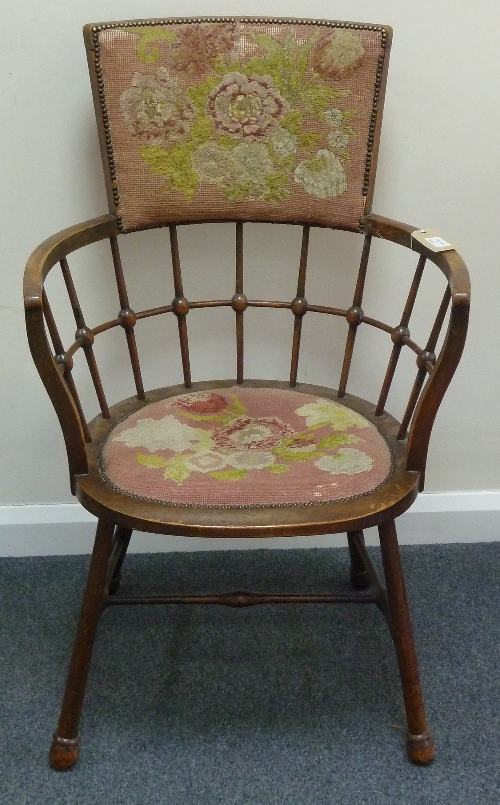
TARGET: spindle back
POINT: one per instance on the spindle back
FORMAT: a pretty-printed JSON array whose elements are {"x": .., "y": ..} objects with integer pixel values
[{"x": 128, "y": 319}]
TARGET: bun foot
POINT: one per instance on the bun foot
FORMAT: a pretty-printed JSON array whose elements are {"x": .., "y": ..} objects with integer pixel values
[
  {"x": 63, "y": 753},
  {"x": 420, "y": 748}
]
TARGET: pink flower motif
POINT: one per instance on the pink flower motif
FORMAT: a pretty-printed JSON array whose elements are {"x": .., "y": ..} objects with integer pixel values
[
  {"x": 201, "y": 402},
  {"x": 338, "y": 55},
  {"x": 157, "y": 108},
  {"x": 252, "y": 433},
  {"x": 246, "y": 107},
  {"x": 198, "y": 46}
]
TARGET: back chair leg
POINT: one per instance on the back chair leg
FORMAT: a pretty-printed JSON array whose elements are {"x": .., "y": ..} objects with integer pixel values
[
  {"x": 359, "y": 576},
  {"x": 420, "y": 745},
  {"x": 120, "y": 546},
  {"x": 65, "y": 744}
]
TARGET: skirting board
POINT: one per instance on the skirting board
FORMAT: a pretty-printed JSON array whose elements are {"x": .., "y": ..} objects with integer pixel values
[{"x": 66, "y": 528}]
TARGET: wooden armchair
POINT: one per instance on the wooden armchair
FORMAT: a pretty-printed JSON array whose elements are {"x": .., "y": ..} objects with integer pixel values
[{"x": 244, "y": 120}]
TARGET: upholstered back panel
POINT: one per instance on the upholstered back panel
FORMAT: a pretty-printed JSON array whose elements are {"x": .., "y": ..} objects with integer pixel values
[{"x": 228, "y": 118}]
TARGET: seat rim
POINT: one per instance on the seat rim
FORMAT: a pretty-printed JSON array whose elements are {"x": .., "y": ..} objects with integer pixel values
[{"x": 389, "y": 500}]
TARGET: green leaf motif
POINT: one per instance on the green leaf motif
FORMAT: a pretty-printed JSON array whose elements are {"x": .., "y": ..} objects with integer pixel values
[
  {"x": 266, "y": 42},
  {"x": 278, "y": 468},
  {"x": 244, "y": 188},
  {"x": 199, "y": 95},
  {"x": 286, "y": 71},
  {"x": 335, "y": 440},
  {"x": 309, "y": 139},
  {"x": 202, "y": 130},
  {"x": 151, "y": 461},
  {"x": 228, "y": 142},
  {"x": 318, "y": 97},
  {"x": 176, "y": 470},
  {"x": 237, "y": 408},
  {"x": 229, "y": 475},
  {"x": 276, "y": 183},
  {"x": 286, "y": 454},
  {"x": 308, "y": 45},
  {"x": 202, "y": 417},
  {"x": 175, "y": 165},
  {"x": 292, "y": 122},
  {"x": 147, "y": 54}
]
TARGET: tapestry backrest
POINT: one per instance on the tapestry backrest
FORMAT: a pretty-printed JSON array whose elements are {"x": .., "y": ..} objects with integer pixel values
[{"x": 238, "y": 119}]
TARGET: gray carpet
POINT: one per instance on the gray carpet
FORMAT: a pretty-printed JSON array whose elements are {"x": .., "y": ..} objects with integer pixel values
[{"x": 287, "y": 705}]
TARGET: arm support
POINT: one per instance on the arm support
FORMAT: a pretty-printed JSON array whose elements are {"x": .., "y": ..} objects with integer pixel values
[
  {"x": 45, "y": 256},
  {"x": 455, "y": 271}
]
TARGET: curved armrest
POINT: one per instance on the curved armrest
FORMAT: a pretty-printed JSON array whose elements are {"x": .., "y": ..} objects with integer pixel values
[
  {"x": 455, "y": 271},
  {"x": 45, "y": 256}
]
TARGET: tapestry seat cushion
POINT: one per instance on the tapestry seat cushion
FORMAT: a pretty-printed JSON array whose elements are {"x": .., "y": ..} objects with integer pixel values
[{"x": 241, "y": 446}]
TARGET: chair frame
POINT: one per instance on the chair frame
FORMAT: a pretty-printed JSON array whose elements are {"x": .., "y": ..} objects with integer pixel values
[{"x": 118, "y": 515}]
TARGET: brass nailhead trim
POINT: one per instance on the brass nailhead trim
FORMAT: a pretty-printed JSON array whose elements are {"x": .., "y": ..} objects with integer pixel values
[{"x": 96, "y": 29}]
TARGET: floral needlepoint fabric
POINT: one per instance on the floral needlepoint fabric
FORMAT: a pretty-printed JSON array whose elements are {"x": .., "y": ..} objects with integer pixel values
[
  {"x": 259, "y": 121},
  {"x": 245, "y": 447}
]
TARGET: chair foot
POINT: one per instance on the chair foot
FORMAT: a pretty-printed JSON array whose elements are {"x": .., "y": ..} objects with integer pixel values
[
  {"x": 420, "y": 748},
  {"x": 63, "y": 752},
  {"x": 359, "y": 579}
]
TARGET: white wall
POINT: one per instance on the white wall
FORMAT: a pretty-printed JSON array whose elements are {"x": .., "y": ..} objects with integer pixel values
[{"x": 438, "y": 166}]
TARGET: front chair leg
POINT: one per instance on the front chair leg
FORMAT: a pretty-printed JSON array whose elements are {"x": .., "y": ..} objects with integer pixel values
[
  {"x": 64, "y": 750},
  {"x": 420, "y": 745}
]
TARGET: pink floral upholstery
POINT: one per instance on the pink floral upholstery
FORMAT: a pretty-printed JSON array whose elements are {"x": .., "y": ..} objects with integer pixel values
[
  {"x": 232, "y": 118},
  {"x": 245, "y": 447}
]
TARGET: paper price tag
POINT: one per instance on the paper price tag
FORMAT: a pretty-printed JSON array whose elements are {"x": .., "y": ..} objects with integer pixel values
[{"x": 432, "y": 239}]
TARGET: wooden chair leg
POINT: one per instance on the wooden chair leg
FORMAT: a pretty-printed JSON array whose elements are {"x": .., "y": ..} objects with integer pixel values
[
  {"x": 420, "y": 745},
  {"x": 65, "y": 745},
  {"x": 359, "y": 576},
  {"x": 120, "y": 546}
]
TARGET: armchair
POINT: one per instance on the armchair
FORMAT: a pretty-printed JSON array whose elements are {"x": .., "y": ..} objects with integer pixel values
[{"x": 244, "y": 120}]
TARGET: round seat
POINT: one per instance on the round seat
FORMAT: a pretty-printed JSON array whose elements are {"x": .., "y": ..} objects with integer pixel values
[
  {"x": 239, "y": 447},
  {"x": 256, "y": 459}
]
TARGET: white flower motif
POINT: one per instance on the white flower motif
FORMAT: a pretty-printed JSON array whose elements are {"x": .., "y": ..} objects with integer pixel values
[
  {"x": 284, "y": 143},
  {"x": 347, "y": 461},
  {"x": 322, "y": 176},
  {"x": 251, "y": 162},
  {"x": 212, "y": 162},
  {"x": 162, "y": 434},
  {"x": 327, "y": 412},
  {"x": 251, "y": 460},
  {"x": 333, "y": 117},
  {"x": 338, "y": 140},
  {"x": 252, "y": 433},
  {"x": 206, "y": 462}
]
